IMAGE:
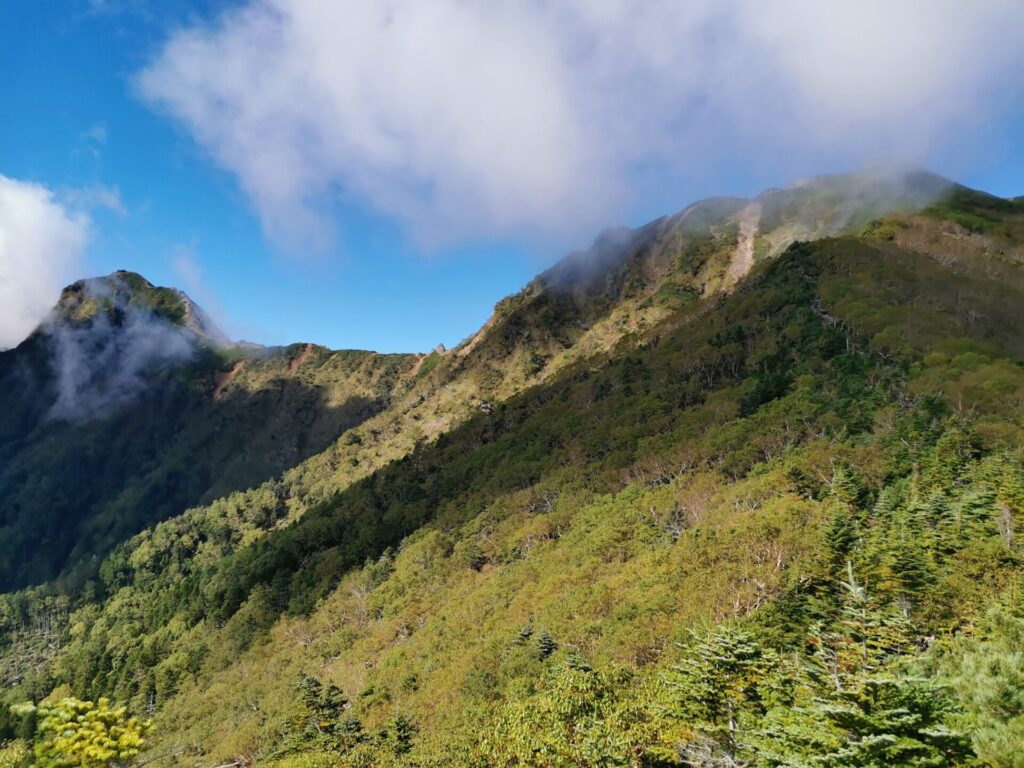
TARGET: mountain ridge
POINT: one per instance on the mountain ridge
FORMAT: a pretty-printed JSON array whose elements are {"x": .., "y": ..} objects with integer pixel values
[
  {"x": 619, "y": 457},
  {"x": 583, "y": 306}
]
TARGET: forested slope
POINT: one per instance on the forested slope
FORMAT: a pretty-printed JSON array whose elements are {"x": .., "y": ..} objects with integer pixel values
[
  {"x": 776, "y": 523},
  {"x": 121, "y": 411}
]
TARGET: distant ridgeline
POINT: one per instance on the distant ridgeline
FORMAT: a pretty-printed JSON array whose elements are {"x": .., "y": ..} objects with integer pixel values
[{"x": 742, "y": 487}]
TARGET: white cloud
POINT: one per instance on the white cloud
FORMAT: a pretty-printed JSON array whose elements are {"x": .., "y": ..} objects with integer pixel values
[
  {"x": 41, "y": 243},
  {"x": 487, "y": 117}
]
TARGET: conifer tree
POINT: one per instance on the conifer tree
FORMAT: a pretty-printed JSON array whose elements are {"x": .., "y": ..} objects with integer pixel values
[
  {"x": 845, "y": 486},
  {"x": 861, "y": 706},
  {"x": 719, "y": 690},
  {"x": 321, "y": 717},
  {"x": 546, "y": 644},
  {"x": 841, "y": 535},
  {"x": 988, "y": 677},
  {"x": 399, "y": 734},
  {"x": 525, "y": 633},
  {"x": 976, "y": 514}
]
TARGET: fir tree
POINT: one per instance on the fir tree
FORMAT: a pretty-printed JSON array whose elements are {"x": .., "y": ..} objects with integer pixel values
[
  {"x": 719, "y": 690},
  {"x": 988, "y": 676},
  {"x": 525, "y": 633},
  {"x": 861, "y": 706},
  {"x": 321, "y": 716},
  {"x": 546, "y": 644},
  {"x": 845, "y": 486},
  {"x": 399, "y": 734},
  {"x": 841, "y": 536}
]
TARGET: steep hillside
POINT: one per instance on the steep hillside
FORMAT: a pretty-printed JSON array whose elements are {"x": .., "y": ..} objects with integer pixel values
[
  {"x": 701, "y": 496},
  {"x": 614, "y": 292},
  {"x": 129, "y": 407}
]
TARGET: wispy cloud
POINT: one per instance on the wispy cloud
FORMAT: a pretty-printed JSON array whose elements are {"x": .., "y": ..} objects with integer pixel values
[
  {"x": 103, "y": 365},
  {"x": 41, "y": 244},
  {"x": 97, "y": 133},
  {"x": 476, "y": 118},
  {"x": 94, "y": 196},
  {"x": 91, "y": 142}
]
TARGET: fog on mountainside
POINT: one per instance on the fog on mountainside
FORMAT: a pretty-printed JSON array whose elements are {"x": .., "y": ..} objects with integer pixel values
[
  {"x": 810, "y": 208},
  {"x": 101, "y": 366}
]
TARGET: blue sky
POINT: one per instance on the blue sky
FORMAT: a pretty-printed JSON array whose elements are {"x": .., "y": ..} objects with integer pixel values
[
  {"x": 385, "y": 195},
  {"x": 68, "y": 73}
]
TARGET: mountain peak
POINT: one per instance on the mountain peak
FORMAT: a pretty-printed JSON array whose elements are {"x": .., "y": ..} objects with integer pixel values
[{"x": 123, "y": 290}]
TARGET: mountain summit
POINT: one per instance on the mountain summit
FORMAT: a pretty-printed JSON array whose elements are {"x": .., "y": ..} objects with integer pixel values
[
  {"x": 122, "y": 291},
  {"x": 128, "y": 405}
]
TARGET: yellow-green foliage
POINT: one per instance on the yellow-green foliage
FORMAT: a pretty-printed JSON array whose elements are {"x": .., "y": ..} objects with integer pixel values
[
  {"x": 72, "y": 732},
  {"x": 13, "y": 754}
]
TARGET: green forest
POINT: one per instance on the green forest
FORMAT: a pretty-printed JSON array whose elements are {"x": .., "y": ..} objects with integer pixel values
[{"x": 649, "y": 516}]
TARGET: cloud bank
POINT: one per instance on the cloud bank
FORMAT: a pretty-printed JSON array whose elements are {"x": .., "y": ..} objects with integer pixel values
[
  {"x": 468, "y": 118},
  {"x": 41, "y": 243}
]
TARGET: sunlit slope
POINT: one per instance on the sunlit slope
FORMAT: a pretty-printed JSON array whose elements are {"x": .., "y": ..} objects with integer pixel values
[{"x": 130, "y": 395}]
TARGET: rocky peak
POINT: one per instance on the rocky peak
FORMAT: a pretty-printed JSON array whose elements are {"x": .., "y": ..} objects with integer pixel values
[{"x": 123, "y": 291}]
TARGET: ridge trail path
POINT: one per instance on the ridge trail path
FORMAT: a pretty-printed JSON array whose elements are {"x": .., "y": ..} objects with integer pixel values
[{"x": 750, "y": 219}]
